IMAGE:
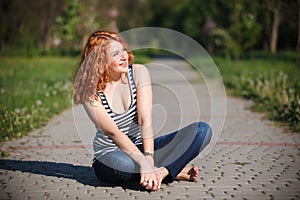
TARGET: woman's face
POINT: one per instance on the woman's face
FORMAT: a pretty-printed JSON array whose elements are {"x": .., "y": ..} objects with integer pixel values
[{"x": 118, "y": 57}]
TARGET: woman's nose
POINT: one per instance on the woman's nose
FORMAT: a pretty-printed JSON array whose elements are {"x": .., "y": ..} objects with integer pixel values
[{"x": 123, "y": 55}]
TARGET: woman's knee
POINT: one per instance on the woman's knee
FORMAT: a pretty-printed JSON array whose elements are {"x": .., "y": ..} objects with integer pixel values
[
  {"x": 120, "y": 161},
  {"x": 104, "y": 173},
  {"x": 125, "y": 164},
  {"x": 115, "y": 168},
  {"x": 204, "y": 133},
  {"x": 126, "y": 169}
]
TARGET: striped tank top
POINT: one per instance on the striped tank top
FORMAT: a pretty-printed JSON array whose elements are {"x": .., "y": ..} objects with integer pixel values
[{"x": 127, "y": 122}]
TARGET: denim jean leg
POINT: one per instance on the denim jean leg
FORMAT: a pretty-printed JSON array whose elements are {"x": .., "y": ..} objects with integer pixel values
[
  {"x": 186, "y": 144},
  {"x": 104, "y": 173},
  {"x": 116, "y": 167}
]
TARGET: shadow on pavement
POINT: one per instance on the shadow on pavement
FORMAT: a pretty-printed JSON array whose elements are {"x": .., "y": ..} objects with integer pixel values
[{"x": 82, "y": 174}]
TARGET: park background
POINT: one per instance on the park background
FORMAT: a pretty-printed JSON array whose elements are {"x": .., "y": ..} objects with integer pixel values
[{"x": 255, "y": 44}]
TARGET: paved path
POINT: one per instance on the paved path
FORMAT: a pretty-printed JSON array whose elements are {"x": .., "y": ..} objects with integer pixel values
[{"x": 251, "y": 159}]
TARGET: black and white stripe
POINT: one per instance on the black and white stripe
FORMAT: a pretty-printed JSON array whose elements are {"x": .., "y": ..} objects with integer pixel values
[{"x": 127, "y": 122}]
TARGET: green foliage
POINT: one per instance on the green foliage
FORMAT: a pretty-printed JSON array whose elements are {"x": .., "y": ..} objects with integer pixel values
[
  {"x": 237, "y": 28},
  {"x": 223, "y": 40},
  {"x": 271, "y": 83},
  {"x": 244, "y": 27},
  {"x": 67, "y": 23},
  {"x": 31, "y": 92},
  {"x": 27, "y": 28},
  {"x": 43, "y": 25}
]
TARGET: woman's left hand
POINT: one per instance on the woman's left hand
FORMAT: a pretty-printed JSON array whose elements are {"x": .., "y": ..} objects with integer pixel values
[
  {"x": 150, "y": 176},
  {"x": 152, "y": 181}
]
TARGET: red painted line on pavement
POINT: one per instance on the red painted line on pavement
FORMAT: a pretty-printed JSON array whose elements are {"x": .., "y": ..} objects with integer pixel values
[
  {"x": 259, "y": 144},
  {"x": 75, "y": 146},
  {"x": 81, "y": 146}
]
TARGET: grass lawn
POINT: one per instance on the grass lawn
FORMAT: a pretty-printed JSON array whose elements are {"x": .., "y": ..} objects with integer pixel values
[
  {"x": 32, "y": 90},
  {"x": 271, "y": 82}
]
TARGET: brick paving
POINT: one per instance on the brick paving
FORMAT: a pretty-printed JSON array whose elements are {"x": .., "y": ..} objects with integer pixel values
[{"x": 251, "y": 159}]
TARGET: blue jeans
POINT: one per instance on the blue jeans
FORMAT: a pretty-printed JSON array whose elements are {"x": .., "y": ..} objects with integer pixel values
[{"x": 172, "y": 151}]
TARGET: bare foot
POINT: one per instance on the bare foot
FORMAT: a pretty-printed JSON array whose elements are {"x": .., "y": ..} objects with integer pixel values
[
  {"x": 189, "y": 173},
  {"x": 163, "y": 172}
]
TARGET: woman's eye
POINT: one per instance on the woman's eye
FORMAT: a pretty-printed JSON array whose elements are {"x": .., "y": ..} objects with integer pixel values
[{"x": 115, "y": 54}]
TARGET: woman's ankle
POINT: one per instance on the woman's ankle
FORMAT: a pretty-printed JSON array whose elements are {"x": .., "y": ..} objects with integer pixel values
[
  {"x": 188, "y": 173},
  {"x": 164, "y": 172}
]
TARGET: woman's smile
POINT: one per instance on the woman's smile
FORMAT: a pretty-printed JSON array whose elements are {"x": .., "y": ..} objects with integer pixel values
[{"x": 118, "y": 57}]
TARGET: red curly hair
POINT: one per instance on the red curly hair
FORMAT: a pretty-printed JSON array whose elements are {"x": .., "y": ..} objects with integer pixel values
[{"x": 92, "y": 72}]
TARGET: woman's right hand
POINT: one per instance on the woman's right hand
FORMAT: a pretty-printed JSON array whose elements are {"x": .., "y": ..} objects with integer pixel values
[{"x": 151, "y": 176}]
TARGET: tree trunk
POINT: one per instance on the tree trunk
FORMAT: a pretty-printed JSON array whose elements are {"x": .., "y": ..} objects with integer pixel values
[
  {"x": 48, "y": 24},
  {"x": 275, "y": 25},
  {"x": 298, "y": 41},
  {"x": 48, "y": 37}
]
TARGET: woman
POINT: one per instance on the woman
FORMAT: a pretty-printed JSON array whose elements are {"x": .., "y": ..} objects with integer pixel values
[{"x": 117, "y": 96}]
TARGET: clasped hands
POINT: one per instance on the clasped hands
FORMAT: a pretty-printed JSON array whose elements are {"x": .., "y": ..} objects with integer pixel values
[{"x": 151, "y": 176}]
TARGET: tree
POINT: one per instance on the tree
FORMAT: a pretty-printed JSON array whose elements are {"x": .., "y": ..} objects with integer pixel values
[
  {"x": 298, "y": 40},
  {"x": 244, "y": 28},
  {"x": 133, "y": 13},
  {"x": 275, "y": 6},
  {"x": 53, "y": 7},
  {"x": 239, "y": 23},
  {"x": 27, "y": 28},
  {"x": 88, "y": 22},
  {"x": 66, "y": 25}
]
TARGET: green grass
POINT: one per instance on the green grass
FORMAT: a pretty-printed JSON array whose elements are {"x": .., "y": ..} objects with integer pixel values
[
  {"x": 32, "y": 90},
  {"x": 271, "y": 82}
]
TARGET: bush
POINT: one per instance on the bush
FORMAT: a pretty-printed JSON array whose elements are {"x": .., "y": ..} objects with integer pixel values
[
  {"x": 31, "y": 92},
  {"x": 271, "y": 83}
]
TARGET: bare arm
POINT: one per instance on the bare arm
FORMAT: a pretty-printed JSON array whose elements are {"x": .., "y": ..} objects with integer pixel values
[
  {"x": 102, "y": 120},
  {"x": 144, "y": 109},
  {"x": 144, "y": 106}
]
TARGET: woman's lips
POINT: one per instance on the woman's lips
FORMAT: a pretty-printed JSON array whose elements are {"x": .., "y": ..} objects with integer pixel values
[{"x": 124, "y": 64}]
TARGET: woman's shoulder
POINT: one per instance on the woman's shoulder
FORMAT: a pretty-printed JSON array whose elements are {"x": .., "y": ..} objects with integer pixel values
[
  {"x": 141, "y": 74},
  {"x": 139, "y": 67},
  {"x": 93, "y": 102}
]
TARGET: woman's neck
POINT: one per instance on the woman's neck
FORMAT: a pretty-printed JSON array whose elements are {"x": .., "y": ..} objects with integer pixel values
[
  {"x": 115, "y": 77},
  {"x": 118, "y": 78}
]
